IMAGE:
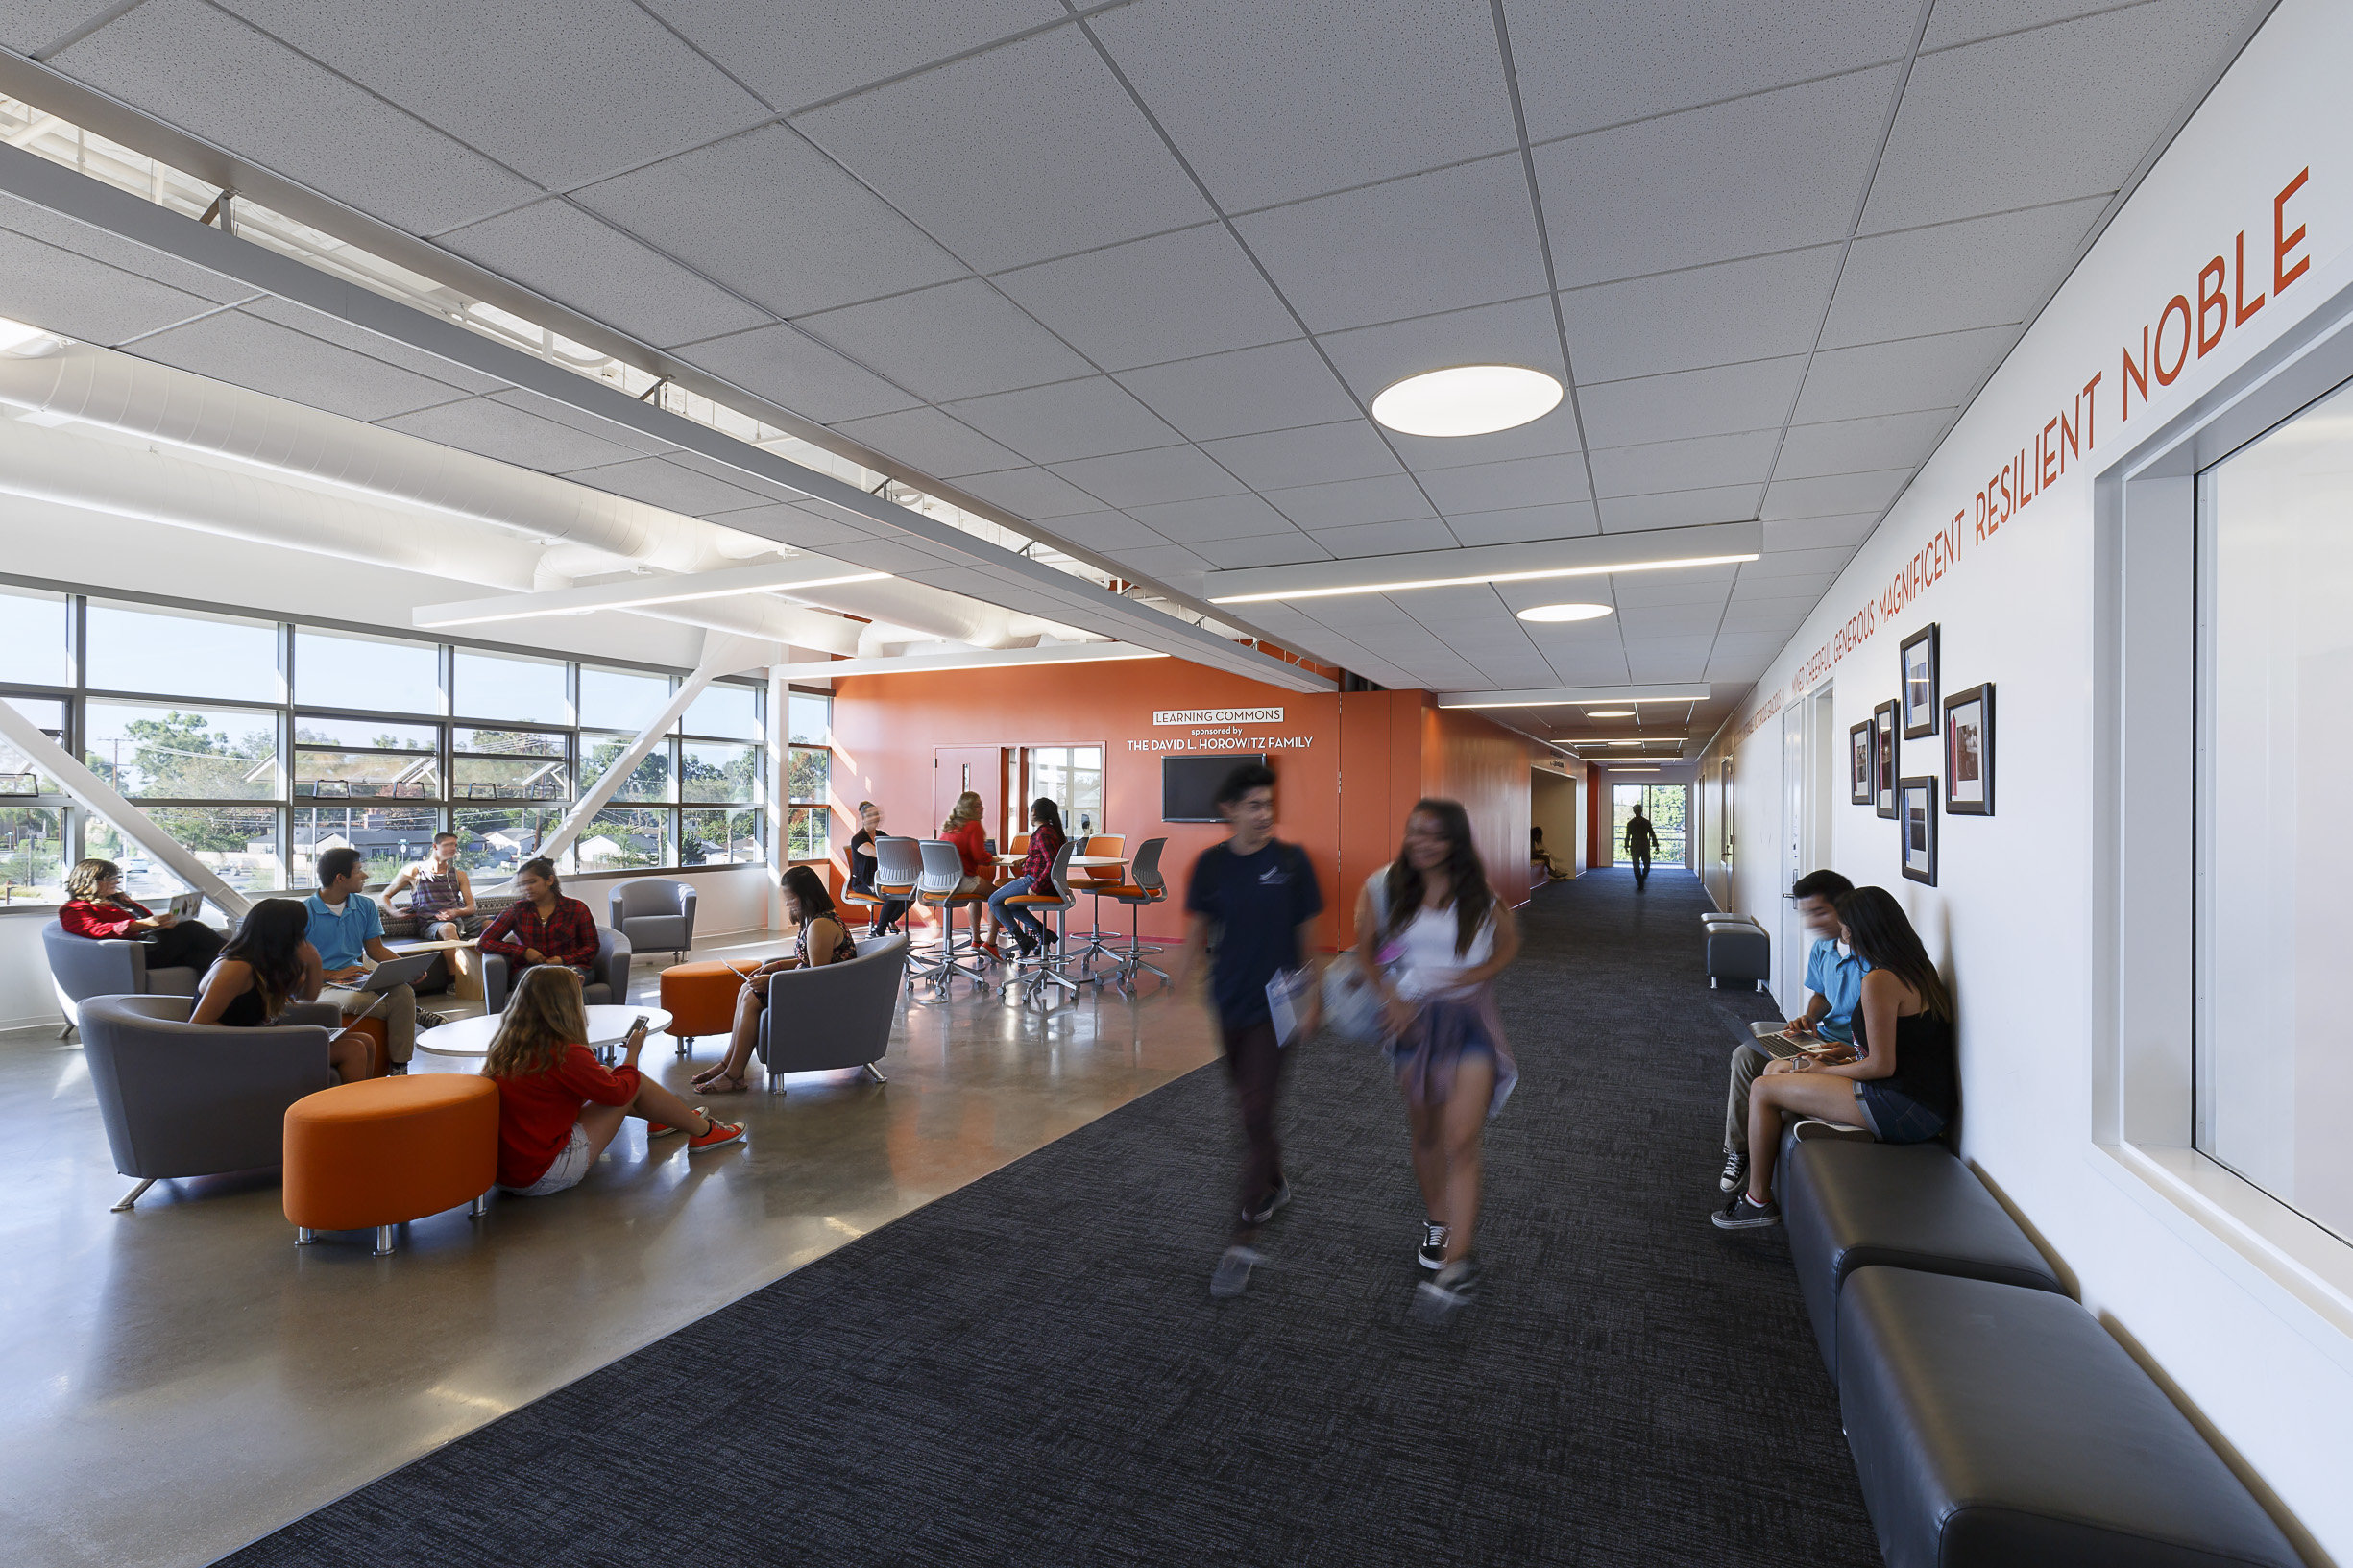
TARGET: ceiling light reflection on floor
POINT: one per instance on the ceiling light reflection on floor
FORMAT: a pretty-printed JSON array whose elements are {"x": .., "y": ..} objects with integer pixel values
[
  {"x": 1466, "y": 400},
  {"x": 1565, "y": 612}
]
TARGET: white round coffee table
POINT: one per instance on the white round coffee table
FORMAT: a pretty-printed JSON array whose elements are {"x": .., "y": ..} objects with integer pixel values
[{"x": 608, "y": 1027}]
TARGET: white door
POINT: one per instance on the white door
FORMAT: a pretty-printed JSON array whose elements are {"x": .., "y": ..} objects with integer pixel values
[{"x": 1789, "y": 949}]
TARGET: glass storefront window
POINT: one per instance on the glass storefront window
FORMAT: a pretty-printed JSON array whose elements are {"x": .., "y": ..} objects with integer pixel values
[
  {"x": 380, "y": 674},
  {"x": 141, "y": 648},
  {"x": 152, "y": 752},
  {"x": 33, "y": 850},
  {"x": 499, "y": 686},
  {"x": 32, "y": 638},
  {"x": 624, "y": 840}
]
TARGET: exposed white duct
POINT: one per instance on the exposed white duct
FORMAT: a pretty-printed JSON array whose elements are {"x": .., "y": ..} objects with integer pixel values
[{"x": 582, "y": 532}]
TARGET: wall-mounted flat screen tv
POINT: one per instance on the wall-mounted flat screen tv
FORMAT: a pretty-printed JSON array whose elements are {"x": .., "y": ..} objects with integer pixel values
[{"x": 1189, "y": 785}]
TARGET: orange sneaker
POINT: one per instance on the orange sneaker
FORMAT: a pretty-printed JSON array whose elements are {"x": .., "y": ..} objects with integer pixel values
[{"x": 721, "y": 1132}]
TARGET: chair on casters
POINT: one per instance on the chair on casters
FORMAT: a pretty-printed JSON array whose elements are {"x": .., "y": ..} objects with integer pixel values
[
  {"x": 898, "y": 872},
  {"x": 1143, "y": 886},
  {"x": 1035, "y": 974},
  {"x": 656, "y": 915},
  {"x": 943, "y": 874},
  {"x": 1101, "y": 882}
]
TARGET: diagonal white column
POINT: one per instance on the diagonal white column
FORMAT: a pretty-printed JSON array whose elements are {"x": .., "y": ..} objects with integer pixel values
[
  {"x": 724, "y": 653},
  {"x": 89, "y": 790}
]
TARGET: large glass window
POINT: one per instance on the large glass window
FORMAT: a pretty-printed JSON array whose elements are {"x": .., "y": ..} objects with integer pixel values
[
  {"x": 388, "y": 837},
  {"x": 33, "y": 850},
  {"x": 32, "y": 637},
  {"x": 619, "y": 699},
  {"x": 619, "y": 839},
  {"x": 2275, "y": 658},
  {"x": 649, "y": 780},
  {"x": 731, "y": 711},
  {"x": 1072, "y": 778},
  {"x": 382, "y": 675},
  {"x": 809, "y": 775},
  {"x": 501, "y": 686},
  {"x": 177, "y": 652},
  {"x": 724, "y": 836},
  {"x": 497, "y": 839},
  {"x": 19, "y": 777},
  {"x": 357, "y": 760},
  {"x": 152, "y": 752}
]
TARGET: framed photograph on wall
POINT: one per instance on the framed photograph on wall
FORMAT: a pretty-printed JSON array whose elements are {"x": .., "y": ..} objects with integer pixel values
[
  {"x": 1969, "y": 751},
  {"x": 1884, "y": 726},
  {"x": 1863, "y": 763},
  {"x": 1916, "y": 813},
  {"x": 1920, "y": 683}
]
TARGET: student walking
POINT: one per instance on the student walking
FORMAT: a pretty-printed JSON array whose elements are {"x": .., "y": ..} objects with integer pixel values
[
  {"x": 1258, "y": 897},
  {"x": 1641, "y": 838},
  {"x": 1431, "y": 938}
]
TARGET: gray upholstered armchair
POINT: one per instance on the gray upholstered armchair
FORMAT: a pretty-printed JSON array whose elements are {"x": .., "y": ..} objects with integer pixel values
[
  {"x": 607, "y": 983},
  {"x": 188, "y": 1099},
  {"x": 81, "y": 969},
  {"x": 839, "y": 1015},
  {"x": 655, "y": 914}
]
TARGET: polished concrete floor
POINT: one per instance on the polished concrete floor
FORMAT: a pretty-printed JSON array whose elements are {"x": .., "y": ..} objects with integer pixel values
[{"x": 180, "y": 1380}]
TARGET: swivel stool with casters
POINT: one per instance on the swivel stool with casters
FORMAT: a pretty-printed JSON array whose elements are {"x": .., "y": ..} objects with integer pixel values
[
  {"x": 1036, "y": 975},
  {"x": 1143, "y": 886}
]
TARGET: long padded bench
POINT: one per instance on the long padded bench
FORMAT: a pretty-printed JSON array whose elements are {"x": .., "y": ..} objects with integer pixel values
[
  {"x": 1737, "y": 948},
  {"x": 1995, "y": 1423}
]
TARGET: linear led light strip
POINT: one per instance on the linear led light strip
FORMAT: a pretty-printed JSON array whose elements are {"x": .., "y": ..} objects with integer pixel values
[{"x": 1486, "y": 577}]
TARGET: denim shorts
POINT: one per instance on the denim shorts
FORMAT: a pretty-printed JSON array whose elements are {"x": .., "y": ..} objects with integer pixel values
[
  {"x": 570, "y": 1167},
  {"x": 1895, "y": 1116}
]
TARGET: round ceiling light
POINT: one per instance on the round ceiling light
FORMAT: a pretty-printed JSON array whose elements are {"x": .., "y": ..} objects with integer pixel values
[
  {"x": 1608, "y": 712},
  {"x": 1565, "y": 612},
  {"x": 1466, "y": 400}
]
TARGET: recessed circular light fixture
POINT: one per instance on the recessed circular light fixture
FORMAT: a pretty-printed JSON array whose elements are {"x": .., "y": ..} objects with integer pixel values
[
  {"x": 1608, "y": 712},
  {"x": 1565, "y": 612},
  {"x": 1466, "y": 400}
]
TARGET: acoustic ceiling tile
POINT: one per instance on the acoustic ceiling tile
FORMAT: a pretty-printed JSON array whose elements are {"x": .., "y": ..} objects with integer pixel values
[
  {"x": 1643, "y": 621},
  {"x": 28, "y": 25},
  {"x": 66, "y": 233},
  {"x": 795, "y": 55},
  {"x": 1684, "y": 584},
  {"x": 958, "y": 340},
  {"x": 63, "y": 291},
  {"x": 1543, "y": 436},
  {"x": 1692, "y": 463},
  {"x": 1717, "y": 400},
  {"x": 1884, "y": 441},
  {"x": 1263, "y": 550},
  {"x": 1517, "y": 525},
  {"x": 1902, "y": 375},
  {"x": 658, "y": 482},
  {"x": 249, "y": 351},
  {"x": 1315, "y": 455},
  {"x": 490, "y": 427},
  {"x": 1806, "y": 583},
  {"x": 1031, "y": 492},
  {"x": 898, "y": 557},
  {"x": 807, "y": 526},
  {"x": 787, "y": 368},
  {"x": 1439, "y": 241},
  {"x": 1013, "y": 155},
  {"x": 575, "y": 259},
  {"x": 1273, "y": 102},
  {"x": 1088, "y": 417},
  {"x": 344, "y": 334},
  {"x": 565, "y": 414},
  {"x": 1834, "y": 494},
  {"x": 1106, "y": 531},
  {"x": 933, "y": 441},
  {"x": 1171, "y": 563},
  {"x": 1353, "y": 501},
  {"x": 1241, "y": 516},
  {"x": 1966, "y": 21},
  {"x": 1586, "y": 64},
  {"x": 209, "y": 74},
  {"x": 1168, "y": 297},
  {"x": 544, "y": 90},
  {"x": 1524, "y": 481},
  {"x": 1168, "y": 474},
  {"x": 1773, "y": 172},
  {"x": 2008, "y": 122},
  {"x": 1378, "y": 538},
  {"x": 1277, "y": 386},
  {"x": 1715, "y": 315},
  {"x": 1515, "y": 332},
  {"x": 774, "y": 219},
  {"x": 1786, "y": 564},
  {"x": 1820, "y": 533},
  {"x": 1981, "y": 271},
  {"x": 1680, "y": 508}
]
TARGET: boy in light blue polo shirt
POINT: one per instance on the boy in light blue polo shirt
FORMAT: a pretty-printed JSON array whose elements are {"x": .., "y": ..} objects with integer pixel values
[
  {"x": 348, "y": 930},
  {"x": 1834, "y": 974}
]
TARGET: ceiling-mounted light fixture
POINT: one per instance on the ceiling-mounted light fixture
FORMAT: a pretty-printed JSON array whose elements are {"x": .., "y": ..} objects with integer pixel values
[
  {"x": 26, "y": 341},
  {"x": 1466, "y": 400},
  {"x": 1608, "y": 712},
  {"x": 1586, "y": 555},
  {"x": 1566, "y": 612}
]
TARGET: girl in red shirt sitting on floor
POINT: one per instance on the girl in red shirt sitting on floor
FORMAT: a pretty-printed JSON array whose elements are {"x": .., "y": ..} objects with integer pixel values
[{"x": 558, "y": 1107}]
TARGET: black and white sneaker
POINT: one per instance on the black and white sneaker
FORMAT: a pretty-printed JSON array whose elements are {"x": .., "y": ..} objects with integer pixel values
[
  {"x": 1255, "y": 1217},
  {"x": 1436, "y": 1300},
  {"x": 1736, "y": 1171},
  {"x": 1743, "y": 1214},
  {"x": 1233, "y": 1272},
  {"x": 429, "y": 1021},
  {"x": 1433, "y": 1253}
]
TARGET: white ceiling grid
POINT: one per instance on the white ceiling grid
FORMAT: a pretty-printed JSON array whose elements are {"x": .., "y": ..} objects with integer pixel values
[{"x": 1134, "y": 270}]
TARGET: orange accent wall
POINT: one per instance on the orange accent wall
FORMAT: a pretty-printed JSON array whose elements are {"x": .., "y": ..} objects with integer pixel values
[{"x": 1342, "y": 796}]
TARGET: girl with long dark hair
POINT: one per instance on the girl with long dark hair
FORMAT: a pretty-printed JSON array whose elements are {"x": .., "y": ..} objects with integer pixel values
[
  {"x": 1432, "y": 936},
  {"x": 1046, "y": 838},
  {"x": 1900, "y": 1083},
  {"x": 268, "y": 969},
  {"x": 823, "y": 940}
]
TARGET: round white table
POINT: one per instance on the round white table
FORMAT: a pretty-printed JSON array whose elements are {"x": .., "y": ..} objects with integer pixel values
[{"x": 608, "y": 1027}]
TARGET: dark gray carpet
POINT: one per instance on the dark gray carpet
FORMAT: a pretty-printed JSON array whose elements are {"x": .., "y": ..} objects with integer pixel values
[{"x": 1031, "y": 1371}]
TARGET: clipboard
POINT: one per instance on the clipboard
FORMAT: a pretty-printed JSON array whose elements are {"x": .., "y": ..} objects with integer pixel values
[{"x": 1282, "y": 993}]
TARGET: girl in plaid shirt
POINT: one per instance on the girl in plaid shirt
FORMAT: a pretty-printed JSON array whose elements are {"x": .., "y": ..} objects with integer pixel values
[{"x": 547, "y": 929}]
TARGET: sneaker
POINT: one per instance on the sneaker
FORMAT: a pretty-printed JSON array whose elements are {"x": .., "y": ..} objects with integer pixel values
[
  {"x": 430, "y": 1021},
  {"x": 1812, "y": 1128},
  {"x": 656, "y": 1129},
  {"x": 1433, "y": 1253},
  {"x": 1255, "y": 1217},
  {"x": 1457, "y": 1285},
  {"x": 1233, "y": 1272},
  {"x": 721, "y": 1132},
  {"x": 1743, "y": 1214},
  {"x": 1736, "y": 1171}
]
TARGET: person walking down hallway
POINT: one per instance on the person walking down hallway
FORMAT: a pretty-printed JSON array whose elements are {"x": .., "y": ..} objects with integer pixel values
[
  {"x": 1641, "y": 839},
  {"x": 1258, "y": 898}
]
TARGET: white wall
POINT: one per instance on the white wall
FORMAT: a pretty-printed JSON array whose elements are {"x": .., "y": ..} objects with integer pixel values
[{"x": 2268, "y": 1378}]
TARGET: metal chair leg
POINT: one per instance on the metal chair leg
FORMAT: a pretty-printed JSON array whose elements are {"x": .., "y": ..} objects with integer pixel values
[
  {"x": 135, "y": 1195},
  {"x": 876, "y": 1073},
  {"x": 482, "y": 1205},
  {"x": 305, "y": 1236},
  {"x": 383, "y": 1241}
]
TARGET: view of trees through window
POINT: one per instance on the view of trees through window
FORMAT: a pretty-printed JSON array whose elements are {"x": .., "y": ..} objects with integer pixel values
[{"x": 1666, "y": 805}]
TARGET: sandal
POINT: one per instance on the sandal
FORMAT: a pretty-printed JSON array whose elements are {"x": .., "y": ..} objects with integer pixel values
[{"x": 733, "y": 1085}]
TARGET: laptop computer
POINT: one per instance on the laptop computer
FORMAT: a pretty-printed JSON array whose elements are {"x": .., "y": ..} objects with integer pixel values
[
  {"x": 398, "y": 972},
  {"x": 1773, "y": 1040},
  {"x": 187, "y": 905}
]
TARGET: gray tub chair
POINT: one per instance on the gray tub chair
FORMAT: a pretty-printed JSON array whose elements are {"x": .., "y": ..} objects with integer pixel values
[
  {"x": 607, "y": 984},
  {"x": 81, "y": 969},
  {"x": 835, "y": 1016},
  {"x": 187, "y": 1099},
  {"x": 655, "y": 915}
]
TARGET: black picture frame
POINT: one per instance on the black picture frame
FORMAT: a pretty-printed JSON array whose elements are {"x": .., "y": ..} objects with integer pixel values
[
  {"x": 1916, "y": 683},
  {"x": 1916, "y": 827},
  {"x": 1969, "y": 751},
  {"x": 1863, "y": 763},
  {"x": 1883, "y": 722}
]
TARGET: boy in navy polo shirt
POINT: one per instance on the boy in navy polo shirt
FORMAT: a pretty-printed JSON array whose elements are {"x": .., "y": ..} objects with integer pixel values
[{"x": 1260, "y": 898}]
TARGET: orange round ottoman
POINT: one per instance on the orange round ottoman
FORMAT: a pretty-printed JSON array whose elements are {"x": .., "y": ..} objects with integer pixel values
[
  {"x": 374, "y": 1153},
  {"x": 700, "y": 999}
]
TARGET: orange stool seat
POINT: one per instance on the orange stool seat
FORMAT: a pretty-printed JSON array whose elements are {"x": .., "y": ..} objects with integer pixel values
[
  {"x": 700, "y": 999},
  {"x": 380, "y": 1151},
  {"x": 379, "y": 1047}
]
